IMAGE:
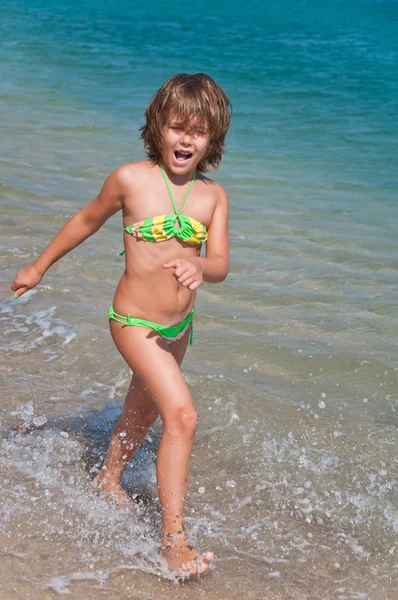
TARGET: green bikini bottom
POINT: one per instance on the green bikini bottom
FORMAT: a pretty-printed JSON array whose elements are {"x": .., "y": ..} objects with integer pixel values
[{"x": 169, "y": 333}]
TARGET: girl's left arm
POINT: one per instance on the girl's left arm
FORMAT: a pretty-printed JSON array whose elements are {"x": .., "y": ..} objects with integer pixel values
[
  {"x": 215, "y": 266},
  {"x": 79, "y": 227}
]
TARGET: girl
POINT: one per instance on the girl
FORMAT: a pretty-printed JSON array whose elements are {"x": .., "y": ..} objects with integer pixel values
[{"x": 169, "y": 210}]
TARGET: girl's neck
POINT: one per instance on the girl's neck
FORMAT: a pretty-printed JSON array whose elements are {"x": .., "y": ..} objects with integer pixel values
[{"x": 176, "y": 178}]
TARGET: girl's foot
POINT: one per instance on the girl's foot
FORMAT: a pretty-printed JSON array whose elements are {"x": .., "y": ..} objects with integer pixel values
[
  {"x": 112, "y": 491},
  {"x": 183, "y": 560}
]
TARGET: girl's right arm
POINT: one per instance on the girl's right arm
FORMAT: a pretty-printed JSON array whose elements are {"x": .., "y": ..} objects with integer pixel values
[{"x": 81, "y": 226}]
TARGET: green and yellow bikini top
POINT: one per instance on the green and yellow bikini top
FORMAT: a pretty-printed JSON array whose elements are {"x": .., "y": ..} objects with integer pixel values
[{"x": 162, "y": 227}]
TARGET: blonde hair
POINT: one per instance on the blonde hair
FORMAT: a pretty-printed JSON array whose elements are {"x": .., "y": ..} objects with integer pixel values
[{"x": 186, "y": 98}]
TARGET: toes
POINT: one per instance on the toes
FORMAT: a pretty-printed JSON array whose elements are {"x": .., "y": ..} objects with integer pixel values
[
  {"x": 188, "y": 569},
  {"x": 190, "y": 566},
  {"x": 183, "y": 573},
  {"x": 194, "y": 568},
  {"x": 200, "y": 567},
  {"x": 208, "y": 557}
]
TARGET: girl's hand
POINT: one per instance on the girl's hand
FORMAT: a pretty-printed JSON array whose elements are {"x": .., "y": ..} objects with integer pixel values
[
  {"x": 187, "y": 271},
  {"x": 25, "y": 280}
]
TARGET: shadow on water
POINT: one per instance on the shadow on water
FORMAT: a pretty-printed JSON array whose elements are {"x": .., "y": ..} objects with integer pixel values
[{"x": 93, "y": 430}]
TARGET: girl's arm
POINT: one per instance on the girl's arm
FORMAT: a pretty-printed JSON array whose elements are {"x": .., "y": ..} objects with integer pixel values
[
  {"x": 79, "y": 227},
  {"x": 215, "y": 266}
]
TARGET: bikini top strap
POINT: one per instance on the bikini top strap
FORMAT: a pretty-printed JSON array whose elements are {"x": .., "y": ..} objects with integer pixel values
[{"x": 177, "y": 212}]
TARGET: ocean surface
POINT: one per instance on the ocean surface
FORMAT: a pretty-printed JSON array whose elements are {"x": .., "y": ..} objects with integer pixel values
[{"x": 294, "y": 368}]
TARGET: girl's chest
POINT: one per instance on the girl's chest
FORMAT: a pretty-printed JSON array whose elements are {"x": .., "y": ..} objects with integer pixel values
[{"x": 145, "y": 205}]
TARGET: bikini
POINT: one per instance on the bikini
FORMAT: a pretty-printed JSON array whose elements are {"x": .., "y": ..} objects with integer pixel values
[{"x": 160, "y": 229}]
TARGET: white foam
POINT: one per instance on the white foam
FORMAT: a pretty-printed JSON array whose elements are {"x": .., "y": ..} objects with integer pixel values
[
  {"x": 59, "y": 583},
  {"x": 26, "y": 330},
  {"x": 108, "y": 390},
  {"x": 62, "y": 501}
]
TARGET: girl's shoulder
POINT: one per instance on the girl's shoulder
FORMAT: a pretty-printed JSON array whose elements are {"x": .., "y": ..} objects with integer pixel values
[
  {"x": 134, "y": 169},
  {"x": 213, "y": 188},
  {"x": 132, "y": 175}
]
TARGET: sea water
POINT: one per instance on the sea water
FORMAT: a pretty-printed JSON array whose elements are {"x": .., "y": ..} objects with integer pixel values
[{"x": 294, "y": 367}]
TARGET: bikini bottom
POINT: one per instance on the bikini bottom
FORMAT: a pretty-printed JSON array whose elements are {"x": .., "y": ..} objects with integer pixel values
[{"x": 169, "y": 333}]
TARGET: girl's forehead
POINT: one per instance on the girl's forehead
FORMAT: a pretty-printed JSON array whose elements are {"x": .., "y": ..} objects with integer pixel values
[{"x": 187, "y": 121}]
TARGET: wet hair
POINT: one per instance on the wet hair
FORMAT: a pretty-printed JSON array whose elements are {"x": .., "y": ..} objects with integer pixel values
[{"x": 195, "y": 102}]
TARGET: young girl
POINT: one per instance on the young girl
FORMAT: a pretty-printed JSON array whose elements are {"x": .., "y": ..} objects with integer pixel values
[{"x": 169, "y": 210}]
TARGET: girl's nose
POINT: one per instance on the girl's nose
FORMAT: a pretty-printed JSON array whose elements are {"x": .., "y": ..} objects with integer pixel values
[{"x": 186, "y": 137}]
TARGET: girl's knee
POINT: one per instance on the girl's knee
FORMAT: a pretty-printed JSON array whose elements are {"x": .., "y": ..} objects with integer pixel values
[{"x": 182, "y": 422}]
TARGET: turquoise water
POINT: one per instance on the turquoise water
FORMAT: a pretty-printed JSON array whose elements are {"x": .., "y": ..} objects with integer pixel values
[{"x": 294, "y": 366}]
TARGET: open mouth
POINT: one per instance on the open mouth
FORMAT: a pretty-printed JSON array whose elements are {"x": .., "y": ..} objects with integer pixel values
[{"x": 182, "y": 156}]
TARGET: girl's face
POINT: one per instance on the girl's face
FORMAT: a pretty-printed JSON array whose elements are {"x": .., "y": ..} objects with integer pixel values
[{"x": 183, "y": 148}]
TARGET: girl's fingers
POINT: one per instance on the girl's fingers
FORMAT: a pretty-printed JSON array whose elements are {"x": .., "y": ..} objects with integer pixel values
[
  {"x": 194, "y": 285},
  {"x": 187, "y": 282},
  {"x": 184, "y": 276},
  {"x": 178, "y": 269},
  {"x": 15, "y": 286},
  {"x": 183, "y": 272},
  {"x": 25, "y": 280},
  {"x": 20, "y": 291},
  {"x": 172, "y": 264}
]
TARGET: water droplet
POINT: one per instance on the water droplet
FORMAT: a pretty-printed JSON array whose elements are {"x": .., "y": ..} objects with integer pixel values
[
  {"x": 39, "y": 421},
  {"x": 321, "y": 404},
  {"x": 201, "y": 490},
  {"x": 274, "y": 575},
  {"x": 231, "y": 483}
]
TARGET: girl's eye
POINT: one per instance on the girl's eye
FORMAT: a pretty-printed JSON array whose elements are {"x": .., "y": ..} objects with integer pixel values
[{"x": 194, "y": 133}]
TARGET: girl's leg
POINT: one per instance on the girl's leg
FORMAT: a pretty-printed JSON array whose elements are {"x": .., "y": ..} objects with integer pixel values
[
  {"x": 139, "y": 413},
  {"x": 153, "y": 362}
]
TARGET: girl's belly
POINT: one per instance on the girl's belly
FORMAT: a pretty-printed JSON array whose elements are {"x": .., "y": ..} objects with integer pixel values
[
  {"x": 154, "y": 295},
  {"x": 149, "y": 291}
]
